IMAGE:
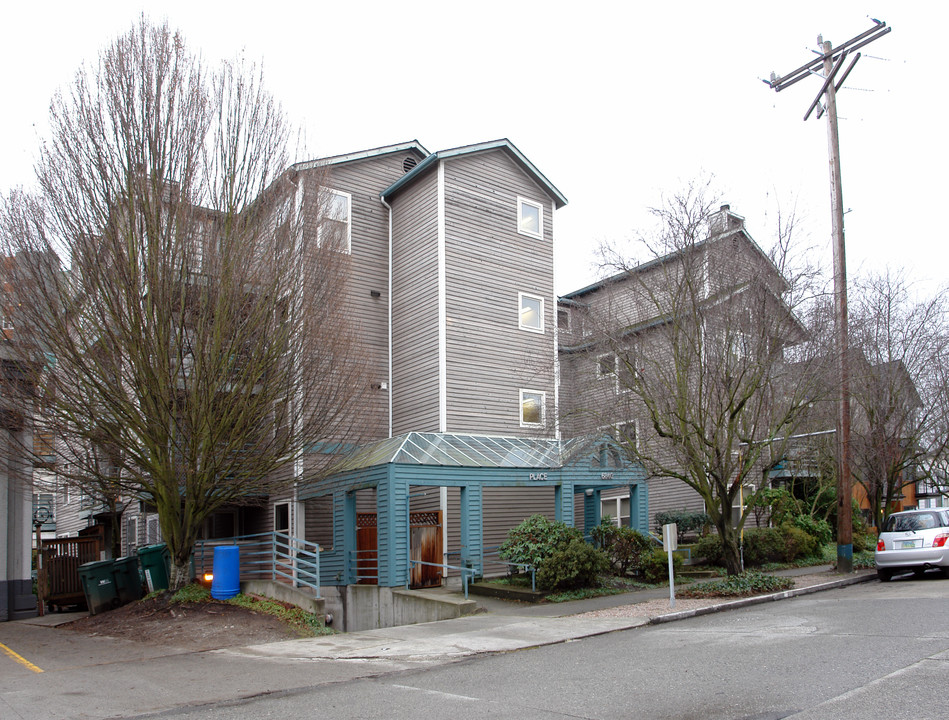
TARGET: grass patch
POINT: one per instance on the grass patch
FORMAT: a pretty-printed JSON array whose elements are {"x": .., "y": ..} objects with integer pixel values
[
  {"x": 192, "y": 593},
  {"x": 304, "y": 622},
  {"x": 744, "y": 585},
  {"x": 520, "y": 581}
]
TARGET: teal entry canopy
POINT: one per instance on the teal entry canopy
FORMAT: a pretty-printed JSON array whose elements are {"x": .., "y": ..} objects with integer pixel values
[
  {"x": 485, "y": 451},
  {"x": 582, "y": 466}
]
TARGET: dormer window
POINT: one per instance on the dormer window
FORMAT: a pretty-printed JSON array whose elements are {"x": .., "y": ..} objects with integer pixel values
[{"x": 530, "y": 218}]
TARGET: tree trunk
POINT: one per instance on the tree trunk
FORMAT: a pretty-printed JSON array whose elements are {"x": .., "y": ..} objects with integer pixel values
[
  {"x": 731, "y": 554},
  {"x": 180, "y": 574},
  {"x": 116, "y": 530}
]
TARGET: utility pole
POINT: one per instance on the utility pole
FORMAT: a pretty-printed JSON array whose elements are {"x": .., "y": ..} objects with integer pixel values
[{"x": 830, "y": 62}]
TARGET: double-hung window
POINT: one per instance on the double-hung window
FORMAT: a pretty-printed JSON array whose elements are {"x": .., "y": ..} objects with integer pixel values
[
  {"x": 531, "y": 312},
  {"x": 335, "y": 225}
]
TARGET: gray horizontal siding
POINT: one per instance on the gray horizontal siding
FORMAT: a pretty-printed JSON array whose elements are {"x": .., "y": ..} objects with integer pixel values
[
  {"x": 364, "y": 180},
  {"x": 487, "y": 264},
  {"x": 415, "y": 399}
]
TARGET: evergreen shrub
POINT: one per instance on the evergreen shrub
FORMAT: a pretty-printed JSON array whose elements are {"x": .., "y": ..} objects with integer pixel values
[
  {"x": 536, "y": 539},
  {"x": 575, "y": 565},
  {"x": 623, "y": 546}
]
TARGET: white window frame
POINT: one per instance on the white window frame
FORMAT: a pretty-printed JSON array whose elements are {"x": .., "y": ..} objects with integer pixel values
[
  {"x": 543, "y": 407},
  {"x": 618, "y": 432},
  {"x": 623, "y": 383},
  {"x": 349, "y": 218},
  {"x": 131, "y": 543},
  {"x": 521, "y": 204},
  {"x": 618, "y": 517},
  {"x": 563, "y": 313},
  {"x": 152, "y": 530},
  {"x": 520, "y": 312},
  {"x": 611, "y": 375}
]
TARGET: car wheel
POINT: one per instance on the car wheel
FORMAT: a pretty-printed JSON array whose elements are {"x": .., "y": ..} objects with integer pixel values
[{"x": 884, "y": 575}]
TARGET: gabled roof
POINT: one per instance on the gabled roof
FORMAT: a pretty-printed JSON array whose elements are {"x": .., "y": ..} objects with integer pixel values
[
  {"x": 739, "y": 231},
  {"x": 452, "y": 450},
  {"x": 503, "y": 144},
  {"x": 363, "y": 155}
]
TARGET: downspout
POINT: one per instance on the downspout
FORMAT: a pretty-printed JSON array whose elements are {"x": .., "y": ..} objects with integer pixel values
[
  {"x": 389, "y": 318},
  {"x": 556, "y": 326},
  {"x": 297, "y": 527}
]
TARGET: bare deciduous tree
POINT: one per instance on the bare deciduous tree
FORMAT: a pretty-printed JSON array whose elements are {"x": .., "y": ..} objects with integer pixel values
[
  {"x": 700, "y": 334},
  {"x": 898, "y": 386},
  {"x": 197, "y": 347}
]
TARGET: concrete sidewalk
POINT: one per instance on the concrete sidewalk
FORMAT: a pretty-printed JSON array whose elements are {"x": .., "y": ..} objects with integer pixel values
[{"x": 506, "y": 626}]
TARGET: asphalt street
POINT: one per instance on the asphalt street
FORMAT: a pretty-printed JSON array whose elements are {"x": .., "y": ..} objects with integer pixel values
[{"x": 870, "y": 649}]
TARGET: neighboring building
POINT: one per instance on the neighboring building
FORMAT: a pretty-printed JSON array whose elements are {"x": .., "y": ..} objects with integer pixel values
[
  {"x": 614, "y": 328},
  {"x": 16, "y": 518}
]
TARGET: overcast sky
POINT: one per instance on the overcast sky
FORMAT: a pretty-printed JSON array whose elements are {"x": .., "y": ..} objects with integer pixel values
[{"x": 615, "y": 104}]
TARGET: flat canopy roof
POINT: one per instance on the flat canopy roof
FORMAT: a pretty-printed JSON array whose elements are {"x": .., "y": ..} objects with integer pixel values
[{"x": 446, "y": 449}]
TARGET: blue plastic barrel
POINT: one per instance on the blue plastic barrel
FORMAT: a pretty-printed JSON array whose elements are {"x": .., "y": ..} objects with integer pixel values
[{"x": 227, "y": 570}]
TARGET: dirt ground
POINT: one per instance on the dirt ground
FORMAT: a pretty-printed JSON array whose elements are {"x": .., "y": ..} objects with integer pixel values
[{"x": 192, "y": 626}]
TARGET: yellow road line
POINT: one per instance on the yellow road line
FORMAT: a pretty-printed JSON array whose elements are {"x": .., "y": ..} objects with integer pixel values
[{"x": 20, "y": 659}]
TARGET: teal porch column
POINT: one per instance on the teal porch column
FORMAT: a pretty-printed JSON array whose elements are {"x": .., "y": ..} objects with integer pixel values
[
  {"x": 591, "y": 510},
  {"x": 348, "y": 541},
  {"x": 639, "y": 507},
  {"x": 472, "y": 541},
  {"x": 563, "y": 503},
  {"x": 392, "y": 525}
]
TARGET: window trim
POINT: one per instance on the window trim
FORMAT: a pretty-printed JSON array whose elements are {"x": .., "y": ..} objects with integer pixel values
[
  {"x": 564, "y": 313},
  {"x": 521, "y": 203},
  {"x": 543, "y": 407},
  {"x": 619, "y": 435},
  {"x": 612, "y": 374},
  {"x": 520, "y": 312},
  {"x": 349, "y": 219},
  {"x": 131, "y": 529}
]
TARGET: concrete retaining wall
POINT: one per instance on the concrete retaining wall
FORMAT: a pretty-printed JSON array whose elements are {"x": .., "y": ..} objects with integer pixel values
[{"x": 368, "y": 607}]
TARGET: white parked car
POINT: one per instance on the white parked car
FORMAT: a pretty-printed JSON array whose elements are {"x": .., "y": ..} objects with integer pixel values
[{"x": 914, "y": 540}]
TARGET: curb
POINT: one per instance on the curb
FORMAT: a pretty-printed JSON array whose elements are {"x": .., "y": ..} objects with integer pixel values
[{"x": 759, "y": 599}]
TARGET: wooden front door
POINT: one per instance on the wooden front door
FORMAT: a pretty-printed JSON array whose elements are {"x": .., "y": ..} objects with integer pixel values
[
  {"x": 425, "y": 545},
  {"x": 425, "y": 542},
  {"x": 367, "y": 549}
]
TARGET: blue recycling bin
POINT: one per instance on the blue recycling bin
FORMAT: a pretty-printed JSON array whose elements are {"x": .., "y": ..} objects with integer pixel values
[{"x": 227, "y": 570}]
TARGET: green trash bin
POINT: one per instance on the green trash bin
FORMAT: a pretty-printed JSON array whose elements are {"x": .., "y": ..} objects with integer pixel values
[
  {"x": 156, "y": 565},
  {"x": 98, "y": 585},
  {"x": 128, "y": 581}
]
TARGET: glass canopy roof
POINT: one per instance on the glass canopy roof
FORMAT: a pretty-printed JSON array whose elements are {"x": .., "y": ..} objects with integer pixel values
[{"x": 465, "y": 451}]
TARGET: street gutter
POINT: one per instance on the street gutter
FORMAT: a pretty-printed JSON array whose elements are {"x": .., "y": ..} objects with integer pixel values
[{"x": 758, "y": 599}]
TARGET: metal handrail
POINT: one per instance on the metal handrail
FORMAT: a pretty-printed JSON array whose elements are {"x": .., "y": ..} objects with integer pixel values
[
  {"x": 370, "y": 563},
  {"x": 473, "y": 570},
  {"x": 527, "y": 567},
  {"x": 279, "y": 555}
]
